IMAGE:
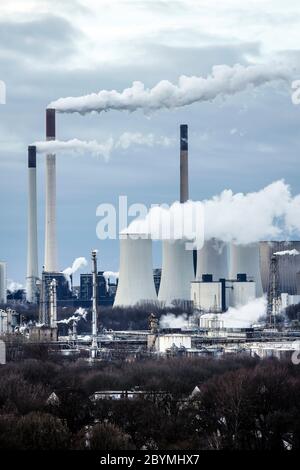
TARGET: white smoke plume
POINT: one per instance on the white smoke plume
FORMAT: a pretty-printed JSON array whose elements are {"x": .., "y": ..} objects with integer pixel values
[
  {"x": 110, "y": 276},
  {"x": 241, "y": 218},
  {"x": 77, "y": 264},
  {"x": 80, "y": 314},
  {"x": 293, "y": 252},
  {"x": 103, "y": 149},
  {"x": 13, "y": 286},
  {"x": 241, "y": 317},
  {"x": 174, "y": 321},
  {"x": 223, "y": 81}
]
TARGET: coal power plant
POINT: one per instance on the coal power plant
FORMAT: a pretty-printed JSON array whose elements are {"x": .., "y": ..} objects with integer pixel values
[
  {"x": 181, "y": 268},
  {"x": 220, "y": 291}
]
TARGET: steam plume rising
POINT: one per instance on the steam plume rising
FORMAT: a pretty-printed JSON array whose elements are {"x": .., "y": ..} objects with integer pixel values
[
  {"x": 241, "y": 317},
  {"x": 240, "y": 218},
  {"x": 80, "y": 314},
  {"x": 77, "y": 264},
  {"x": 224, "y": 80},
  {"x": 110, "y": 276}
]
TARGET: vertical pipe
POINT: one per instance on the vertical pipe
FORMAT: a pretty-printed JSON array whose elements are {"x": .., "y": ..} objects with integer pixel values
[
  {"x": 53, "y": 304},
  {"x": 50, "y": 228},
  {"x": 94, "y": 305},
  {"x": 184, "y": 164},
  {"x": 32, "y": 242}
]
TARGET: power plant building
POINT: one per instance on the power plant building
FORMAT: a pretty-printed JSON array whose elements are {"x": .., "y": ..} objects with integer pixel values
[
  {"x": 105, "y": 294},
  {"x": 217, "y": 296}
]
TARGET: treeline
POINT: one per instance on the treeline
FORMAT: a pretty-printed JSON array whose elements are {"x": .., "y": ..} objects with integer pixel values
[{"x": 241, "y": 404}]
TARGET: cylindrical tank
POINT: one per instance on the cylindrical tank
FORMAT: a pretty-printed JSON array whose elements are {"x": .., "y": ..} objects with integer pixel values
[
  {"x": 213, "y": 259},
  {"x": 177, "y": 273},
  {"x": 136, "y": 282},
  {"x": 246, "y": 259}
]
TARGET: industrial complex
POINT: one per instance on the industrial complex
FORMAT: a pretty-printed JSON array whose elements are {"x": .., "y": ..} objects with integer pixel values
[{"x": 205, "y": 285}]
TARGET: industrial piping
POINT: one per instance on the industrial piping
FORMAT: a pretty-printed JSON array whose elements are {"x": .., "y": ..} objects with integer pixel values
[
  {"x": 32, "y": 241},
  {"x": 50, "y": 228}
]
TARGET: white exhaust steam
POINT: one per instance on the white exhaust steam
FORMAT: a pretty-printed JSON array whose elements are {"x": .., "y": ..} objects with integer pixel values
[
  {"x": 80, "y": 314},
  {"x": 110, "y": 276},
  {"x": 223, "y": 81},
  {"x": 241, "y": 317},
  {"x": 174, "y": 321},
  {"x": 79, "y": 263},
  {"x": 293, "y": 252},
  {"x": 268, "y": 214},
  {"x": 101, "y": 149}
]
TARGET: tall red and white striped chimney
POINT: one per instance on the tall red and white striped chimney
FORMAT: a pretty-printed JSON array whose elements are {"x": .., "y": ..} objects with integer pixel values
[{"x": 50, "y": 221}]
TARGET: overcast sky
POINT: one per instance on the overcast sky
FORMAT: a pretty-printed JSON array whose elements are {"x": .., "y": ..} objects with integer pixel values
[{"x": 51, "y": 49}]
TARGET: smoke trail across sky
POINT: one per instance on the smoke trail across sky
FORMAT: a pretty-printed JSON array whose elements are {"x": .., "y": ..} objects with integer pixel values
[
  {"x": 223, "y": 81},
  {"x": 287, "y": 252},
  {"x": 102, "y": 149}
]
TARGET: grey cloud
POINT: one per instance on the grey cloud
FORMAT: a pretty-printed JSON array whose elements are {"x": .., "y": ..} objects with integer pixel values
[{"x": 42, "y": 39}]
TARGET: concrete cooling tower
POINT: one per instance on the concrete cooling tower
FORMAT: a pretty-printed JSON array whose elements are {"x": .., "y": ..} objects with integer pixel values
[
  {"x": 288, "y": 266},
  {"x": 245, "y": 259},
  {"x": 213, "y": 259},
  {"x": 177, "y": 273},
  {"x": 136, "y": 282}
]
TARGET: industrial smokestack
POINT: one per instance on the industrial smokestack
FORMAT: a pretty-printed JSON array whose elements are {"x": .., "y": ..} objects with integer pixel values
[
  {"x": 94, "y": 305},
  {"x": 50, "y": 229},
  {"x": 53, "y": 303},
  {"x": 32, "y": 243},
  {"x": 184, "y": 164},
  {"x": 136, "y": 282}
]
